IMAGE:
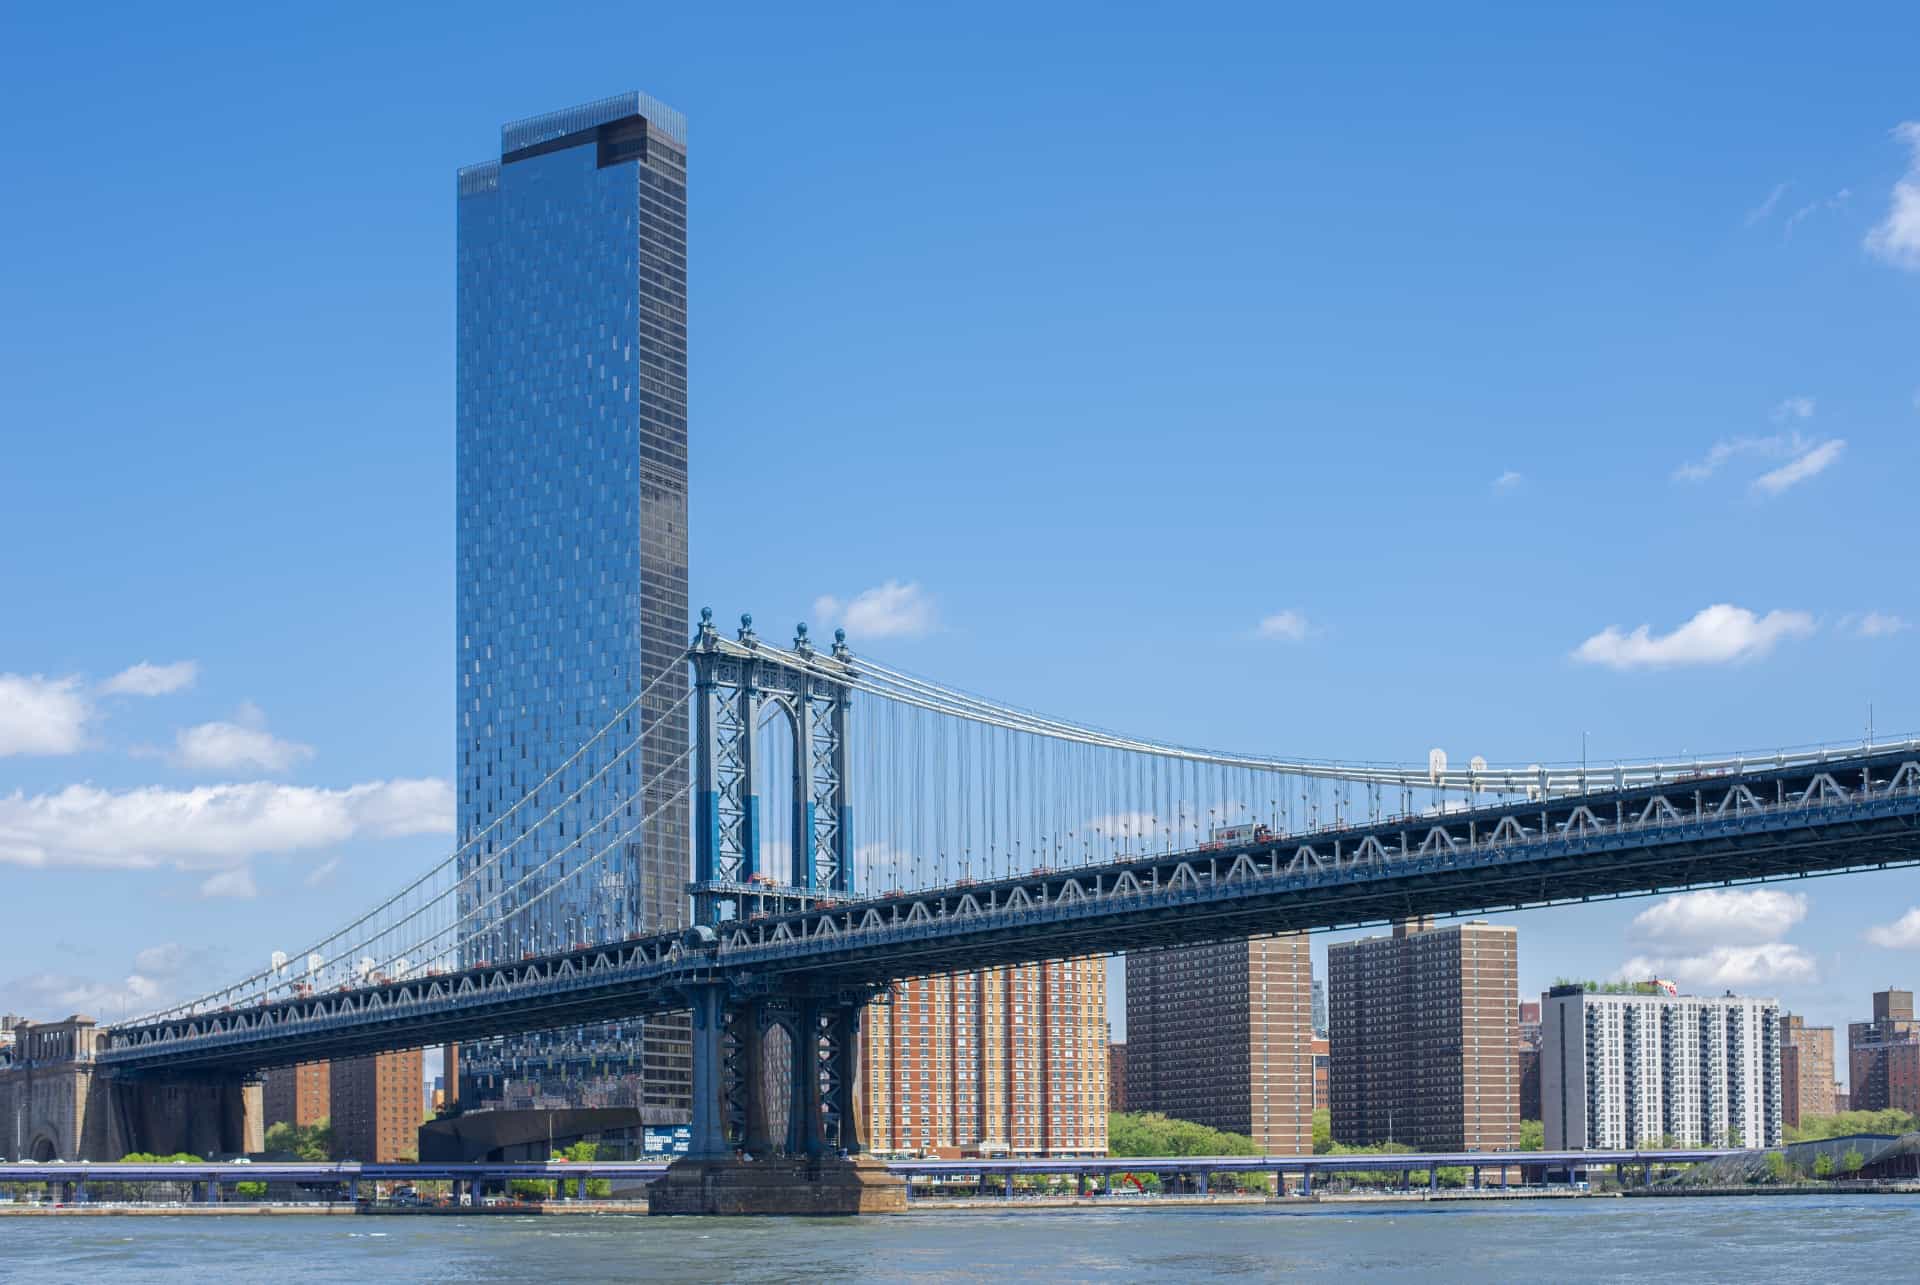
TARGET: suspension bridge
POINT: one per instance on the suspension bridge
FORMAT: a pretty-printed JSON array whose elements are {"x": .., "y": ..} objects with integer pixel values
[{"x": 854, "y": 824}]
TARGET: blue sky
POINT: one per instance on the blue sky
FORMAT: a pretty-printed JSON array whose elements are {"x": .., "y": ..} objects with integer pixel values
[{"x": 1319, "y": 384}]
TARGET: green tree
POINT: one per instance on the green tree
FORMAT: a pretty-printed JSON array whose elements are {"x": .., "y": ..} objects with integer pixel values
[
  {"x": 250, "y": 1190},
  {"x": 1778, "y": 1170},
  {"x": 1735, "y": 1139},
  {"x": 1892, "y": 1121},
  {"x": 585, "y": 1152},
  {"x": 1533, "y": 1136},
  {"x": 1853, "y": 1160},
  {"x": 1823, "y": 1165},
  {"x": 305, "y": 1141},
  {"x": 1322, "y": 1131},
  {"x": 1134, "y": 1133}
]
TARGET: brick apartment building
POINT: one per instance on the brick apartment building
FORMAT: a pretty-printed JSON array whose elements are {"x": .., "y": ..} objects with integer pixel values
[
  {"x": 1221, "y": 1034},
  {"x": 376, "y": 1107},
  {"x": 1000, "y": 1062},
  {"x": 301, "y": 1095},
  {"x": 1883, "y": 1055},
  {"x": 1806, "y": 1070},
  {"x": 1322, "y": 1073},
  {"x": 1424, "y": 1037},
  {"x": 1528, "y": 1059}
]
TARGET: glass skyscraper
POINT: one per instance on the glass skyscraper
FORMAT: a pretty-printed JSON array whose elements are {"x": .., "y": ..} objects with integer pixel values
[{"x": 572, "y": 571}]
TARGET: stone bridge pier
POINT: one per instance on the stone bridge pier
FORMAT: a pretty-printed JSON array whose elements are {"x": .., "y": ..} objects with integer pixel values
[
  {"x": 209, "y": 1116},
  {"x": 57, "y": 1104}
]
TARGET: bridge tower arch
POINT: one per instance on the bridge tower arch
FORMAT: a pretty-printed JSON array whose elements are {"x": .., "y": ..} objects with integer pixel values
[{"x": 738, "y": 682}]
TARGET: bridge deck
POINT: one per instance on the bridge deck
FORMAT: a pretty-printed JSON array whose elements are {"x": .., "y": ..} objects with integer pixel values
[{"x": 1852, "y": 813}]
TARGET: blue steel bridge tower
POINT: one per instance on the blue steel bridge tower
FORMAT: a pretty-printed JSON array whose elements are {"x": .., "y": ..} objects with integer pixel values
[{"x": 571, "y": 565}]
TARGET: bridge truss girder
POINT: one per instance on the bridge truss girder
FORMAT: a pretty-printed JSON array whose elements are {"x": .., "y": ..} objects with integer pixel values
[{"x": 1863, "y": 814}]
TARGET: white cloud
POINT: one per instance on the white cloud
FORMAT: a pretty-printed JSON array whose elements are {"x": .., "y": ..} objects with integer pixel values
[
  {"x": 1727, "y": 967},
  {"x": 1805, "y": 457},
  {"x": 1508, "y": 481},
  {"x": 1896, "y": 238},
  {"x": 1792, "y": 408},
  {"x": 1902, "y": 934},
  {"x": 1780, "y": 444},
  {"x": 322, "y": 875},
  {"x": 1759, "y": 212},
  {"x": 237, "y": 746},
  {"x": 158, "y": 972},
  {"x": 1873, "y": 624},
  {"x": 1813, "y": 463},
  {"x": 1715, "y": 916},
  {"x": 1722, "y": 939},
  {"x": 148, "y": 679},
  {"x": 168, "y": 960},
  {"x": 1811, "y": 208},
  {"x": 1284, "y": 626},
  {"x": 236, "y": 883},
  {"x": 210, "y": 827},
  {"x": 1718, "y": 635},
  {"x": 891, "y": 610},
  {"x": 40, "y": 715},
  {"x": 50, "y": 996}
]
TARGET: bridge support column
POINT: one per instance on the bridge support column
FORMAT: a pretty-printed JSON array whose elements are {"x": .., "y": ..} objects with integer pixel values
[
  {"x": 1476, "y": 1177},
  {"x": 1006, "y": 1184},
  {"x": 1306, "y": 1182},
  {"x": 756, "y": 1134},
  {"x": 1433, "y": 1179},
  {"x": 1201, "y": 1181},
  {"x": 806, "y": 1176},
  {"x": 708, "y": 1138},
  {"x": 806, "y": 1129},
  {"x": 849, "y": 1079}
]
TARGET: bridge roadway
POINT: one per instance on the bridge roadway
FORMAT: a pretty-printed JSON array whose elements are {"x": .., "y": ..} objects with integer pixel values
[
  {"x": 1855, "y": 811},
  {"x": 349, "y": 1172}
]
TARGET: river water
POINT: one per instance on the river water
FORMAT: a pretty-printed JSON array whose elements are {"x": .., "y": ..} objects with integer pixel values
[{"x": 1780, "y": 1238}]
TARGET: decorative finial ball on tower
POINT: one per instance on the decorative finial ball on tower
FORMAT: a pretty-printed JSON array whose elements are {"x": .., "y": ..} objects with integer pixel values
[
  {"x": 746, "y": 620},
  {"x": 840, "y": 636},
  {"x": 800, "y": 630},
  {"x": 706, "y": 615}
]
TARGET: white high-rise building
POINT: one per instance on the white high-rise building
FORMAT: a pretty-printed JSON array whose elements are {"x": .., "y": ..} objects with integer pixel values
[{"x": 1622, "y": 1071}]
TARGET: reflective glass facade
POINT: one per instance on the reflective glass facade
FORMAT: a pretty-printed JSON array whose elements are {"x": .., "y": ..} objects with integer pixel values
[{"x": 572, "y": 566}]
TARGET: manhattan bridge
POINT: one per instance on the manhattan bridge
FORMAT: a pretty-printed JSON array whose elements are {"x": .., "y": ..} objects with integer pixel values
[{"x": 855, "y": 824}]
